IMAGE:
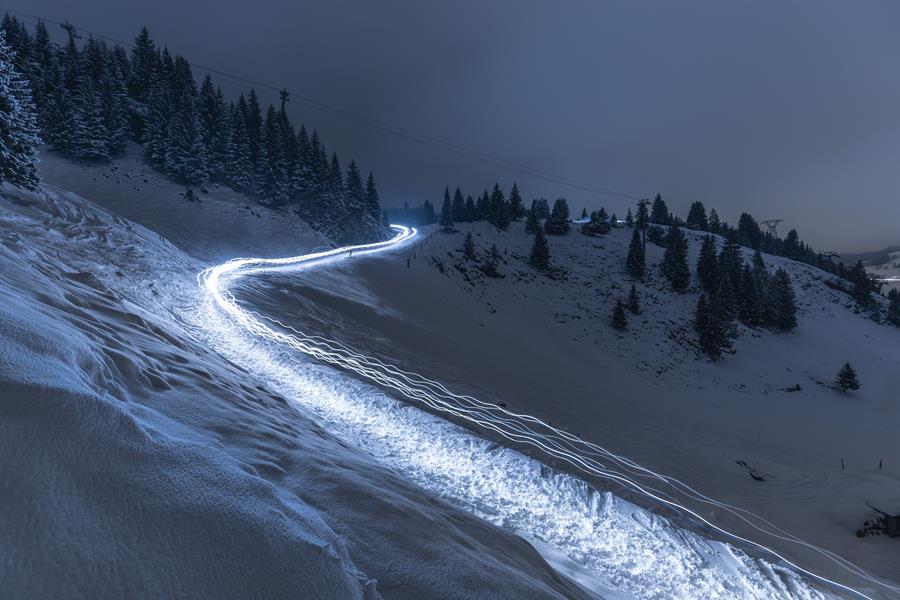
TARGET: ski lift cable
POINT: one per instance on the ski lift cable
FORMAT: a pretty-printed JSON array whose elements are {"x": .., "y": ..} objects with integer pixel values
[{"x": 409, "y": 135}]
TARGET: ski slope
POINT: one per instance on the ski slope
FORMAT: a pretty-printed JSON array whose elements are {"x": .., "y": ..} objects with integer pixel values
[{"x": 611, "y": 546}]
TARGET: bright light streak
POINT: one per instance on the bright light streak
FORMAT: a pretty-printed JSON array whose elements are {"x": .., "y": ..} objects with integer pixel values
[{"x": 565, "y": 514}]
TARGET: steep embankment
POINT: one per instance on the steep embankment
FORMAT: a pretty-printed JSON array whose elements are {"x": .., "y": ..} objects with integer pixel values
[
  {"x": 543, "y": 345},
  {"x": 138, "y": 462}
]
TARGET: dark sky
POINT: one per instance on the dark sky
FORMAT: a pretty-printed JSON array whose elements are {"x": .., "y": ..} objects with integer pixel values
[{"x": 786, "y": 109}]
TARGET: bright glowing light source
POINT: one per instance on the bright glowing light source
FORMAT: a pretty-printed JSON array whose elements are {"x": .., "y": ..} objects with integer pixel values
[{"x": 619, "y": 545}]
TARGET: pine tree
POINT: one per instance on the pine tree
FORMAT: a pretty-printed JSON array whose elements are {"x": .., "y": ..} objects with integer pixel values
[
  {"x": 540, "y": 251},
  {"x": 114, "y": 104},
  {"x": 725, "y": 298},
  {"x": 471, "y": 209},
  {"x": 674, "y": 264},
  {"x": 707, "y": 264},
  {"x": 785, "y": 314},
  {"x": 846, "y": 378},
  {"x": 447, "y": 212},
  {"x": 89, "y": 135},
  {"x": 499, "y": 211},
  {"x": 373, "y": 203},
  {"x": 483, "y": 207},
  {"x": 156, "y": 123},
  {"x": 531, "y": 223},
  {"x": 516, "y": 206},
  {"x": 558, "y": 223},
  {"x": 634, "y": 303},
  {"x": 643, "y": 215},
  {"x": 584, "y": 213},
  {"x": 468, "y": 247},
  {"x": 353, "y": 185},
  {"x": 713, "y": 223},
  {"x": 240, "y": 167},
  {"x": 489, "y": 267},
  {"x": 696, "y": 218},
  {"x": 19, "y": 136},
  {"x": 750, "y": 302},
  {"x": 459, "y": 207},
  {"x": 659, "y": 213},
  {"x": 712, "y": 329},
  {"x": 143, "y": 66},
  {"x": 629, "y": 219},
  {"x": 619, "y": 320},
  {"x": 635, "y": 262}
]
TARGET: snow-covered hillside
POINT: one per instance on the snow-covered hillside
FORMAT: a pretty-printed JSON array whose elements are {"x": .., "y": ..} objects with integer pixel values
[
  {"x": 220, "y": 225},
  {"x": 543, "y": 345},
  {"x": 138, "y": 462}
]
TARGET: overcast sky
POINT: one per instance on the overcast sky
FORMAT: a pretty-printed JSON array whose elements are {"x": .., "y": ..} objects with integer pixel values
[{"x": 785, "y": 109}]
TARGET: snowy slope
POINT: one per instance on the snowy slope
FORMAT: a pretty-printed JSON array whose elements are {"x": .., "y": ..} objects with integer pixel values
[
  {"x": 543, "y": 346},
  {"x": 222, "y": 225},
  {"x": 138, "y": 463}
]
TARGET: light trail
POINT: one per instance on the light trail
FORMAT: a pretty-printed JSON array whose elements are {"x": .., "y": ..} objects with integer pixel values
[{"x": 577, "y": 454}]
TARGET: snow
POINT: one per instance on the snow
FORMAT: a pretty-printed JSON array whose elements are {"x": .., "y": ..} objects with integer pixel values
[
  {"x": 543, "y": 346},
  {"x": 105, "y": 317},
  {"x": 138, "y": 462}
]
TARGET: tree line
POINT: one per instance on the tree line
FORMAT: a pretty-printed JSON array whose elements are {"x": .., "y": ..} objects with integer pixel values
[{"x": 92, "y": 98}]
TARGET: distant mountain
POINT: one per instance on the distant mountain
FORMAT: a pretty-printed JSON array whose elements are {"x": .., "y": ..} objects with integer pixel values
[{"x": 875, "y": 258}]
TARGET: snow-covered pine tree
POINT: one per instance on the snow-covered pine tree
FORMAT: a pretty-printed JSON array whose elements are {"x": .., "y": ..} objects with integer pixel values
[
  {"x": 707, "y": 264},
  {"x": 846, "y": 378},
  {"x": 713, "y": 223},
  {"x": 629, "y": 219},
  {"x": 516, "y": 205},
  {"x": 750, "y": 301},
  {"x": 216, "y": 129},
  {"x": 156, "y": 122},
  {"x": 254, "y": 121},
  {"x": 353, "y": 186},
  {"x": 471, "y": 209},
  {"x": 335, "y": 176},
  {"x": 659, "y": 213},
  {"x": 114, "y": 103},
  {"x": 483, "y": 207},
  {"x": 725, "y": 298},
  {"x": 635, "y": 263},
  {"x": 468, "y": 247},
  {"x": 531, "y": 222},
  {"x": 558, "y": 223},
  {"x": 696, "y": 218},
  {"x": 619, "y": 320},
  {"x": 783, "y": 301},
  {"x": 144, "y": 65},
  {"x": 239, "y": 171},
  {"x": 90, "y": 139},
  {"x": 459, "y": 207},
  {"x": 674, "y": 263},
  {"x": 712, "y": 332},
  {"x": 447, "y": 212},
  {"x": 56, "y": 115},
  {"x": 373, "y": 203},
  {"x": 489, "y": 267},
  {"x": 642, "y": 219},
  {"x": 499, "y": 211},
  {"x": 540, "y": 251},
  {"x": 19, "y": 137}
]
